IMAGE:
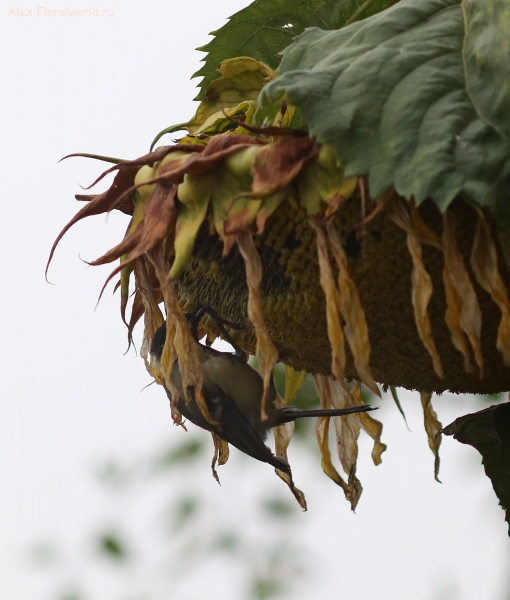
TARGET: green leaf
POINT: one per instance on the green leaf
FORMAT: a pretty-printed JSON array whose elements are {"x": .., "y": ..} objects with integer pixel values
[
  {"x": 406, "y": 97},
  {"x": 265, "y": 27},
  {"x": 393, "y": 390}
]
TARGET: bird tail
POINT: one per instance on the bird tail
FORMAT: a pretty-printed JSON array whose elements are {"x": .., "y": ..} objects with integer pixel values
[{"x": 291, "y": 413}]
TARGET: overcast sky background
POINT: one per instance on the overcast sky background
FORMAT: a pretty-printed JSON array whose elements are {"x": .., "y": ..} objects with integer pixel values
[{"x": 71, "y": 398}]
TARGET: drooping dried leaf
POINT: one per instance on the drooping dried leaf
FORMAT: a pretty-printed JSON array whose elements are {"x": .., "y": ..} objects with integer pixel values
[
  {"x": 421, "y": 281},
  {"x": 327, "y": 279},
  {"x": 266, "y": 352},
  {"x": 221, "y": 454},
  {"x": 463, "y": 308},
  {"x": 356, "y": 328},
  {"x": 282, "y": 437},
  {"x": 433, "y": 428},
  {"x": 293, "y": 382},
  {"x": 484, "y": 262}
]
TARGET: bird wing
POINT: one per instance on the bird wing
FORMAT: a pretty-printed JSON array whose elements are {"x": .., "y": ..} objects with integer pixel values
[{"x": 236, "y": 430}]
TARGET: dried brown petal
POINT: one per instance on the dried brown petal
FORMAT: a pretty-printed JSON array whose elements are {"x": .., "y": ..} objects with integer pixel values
[
  {"x": 433, "y": 428},
  {"x": 266, "y": 352},
  {"x": 421, "y": 282},
  {"x": 221, "y": 454},
  {"x": 371, "y": 426},
  {"x": 356, "y": 329},
  {"x": 322, "y": 433},
  {"x": 282, "y": 437},
  {"x": 335, "y": 332},
  {"x": 461, "y": 298},
  {"x": 347, "y": 434},
  {"x": 484, "y": 262},
  {"x": 279, "y": 163}
]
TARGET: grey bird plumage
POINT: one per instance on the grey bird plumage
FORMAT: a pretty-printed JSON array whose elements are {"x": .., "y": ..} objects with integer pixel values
[{"x": 232, "y": 390}]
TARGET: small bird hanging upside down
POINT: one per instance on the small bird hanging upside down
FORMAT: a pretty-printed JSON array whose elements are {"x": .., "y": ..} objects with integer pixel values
[{"x": 233, "y": 390}]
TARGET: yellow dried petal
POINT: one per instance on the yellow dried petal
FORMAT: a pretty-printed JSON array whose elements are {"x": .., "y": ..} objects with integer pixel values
[
  {"x": 371, "y": 426},
  {"x": 336, "y": 394},
  {"x": 356, "y": 329},
  {"x": 421, "y": 282},
  {"x": 266, "y": 352},
  {"x": 327, "y": 279},
  {"x": 464, "y": 295},
  {"x": 433, "y": 428},
  {"x": 484, "y": 262},
  {"x": 293, "y": 382}
]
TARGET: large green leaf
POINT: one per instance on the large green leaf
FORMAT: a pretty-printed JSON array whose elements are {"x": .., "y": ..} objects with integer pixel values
[
  {"x": 417, "y": 97},
  {"x": 265, "y": 27}
]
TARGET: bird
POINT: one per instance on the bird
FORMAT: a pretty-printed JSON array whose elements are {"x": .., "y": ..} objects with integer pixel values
[{"x": 233, "y": 391}]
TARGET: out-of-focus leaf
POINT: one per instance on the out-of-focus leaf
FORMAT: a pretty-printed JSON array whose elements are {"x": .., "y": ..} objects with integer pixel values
[
  {"x": 484, "y": 262},
  {"x": 278, "y": 508},
  {"x": 489, "y": 432},
  {"x": 433, "y": 428},
  {"x": 113, "y": 547},
  {"x": 184, "y": 510},
  {"x": 265, "y": 27},
  {"x": 184, "y": 453},
  {"x": 393, "y": 93}
]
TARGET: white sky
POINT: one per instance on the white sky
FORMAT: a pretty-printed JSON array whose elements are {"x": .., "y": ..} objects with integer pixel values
[{"x": 71, "y": 398}]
